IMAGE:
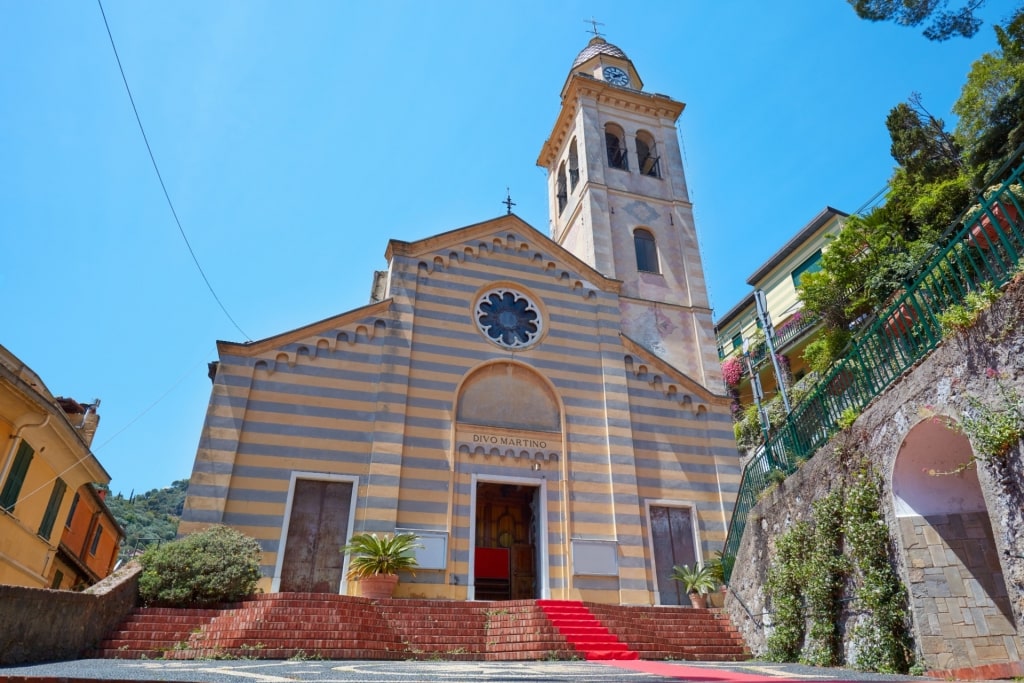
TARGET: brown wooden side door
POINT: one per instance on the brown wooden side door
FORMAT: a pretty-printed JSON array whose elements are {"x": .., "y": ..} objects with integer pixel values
[
  {"x": 672, "y": 539},
  {"x": 316, "y": 532}
]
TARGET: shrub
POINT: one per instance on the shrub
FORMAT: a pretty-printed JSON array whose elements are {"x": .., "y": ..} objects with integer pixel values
[
  {"x": 826, "y": 349},
  {"x": 212, "y": 566}
]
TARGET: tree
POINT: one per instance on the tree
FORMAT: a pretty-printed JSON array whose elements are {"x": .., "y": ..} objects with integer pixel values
[
  {"x": 920, "y": 143},
  {"x": 991, "y": 103},
  {"x": 150, "y": 517},
  {"x": 942, "y": 24}
]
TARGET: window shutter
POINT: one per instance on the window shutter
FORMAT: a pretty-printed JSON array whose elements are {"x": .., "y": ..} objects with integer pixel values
[
  {"x": 50, "y": 516},
  {"x": 16, "y": 477}
]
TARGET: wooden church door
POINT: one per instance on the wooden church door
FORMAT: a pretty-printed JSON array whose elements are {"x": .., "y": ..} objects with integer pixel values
[
  {"x": 316, "y": 532},
  {"x": 672, "y": 539}
]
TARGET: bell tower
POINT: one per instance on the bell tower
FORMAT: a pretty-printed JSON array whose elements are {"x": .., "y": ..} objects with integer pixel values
[{"x": 618, "y": 200}]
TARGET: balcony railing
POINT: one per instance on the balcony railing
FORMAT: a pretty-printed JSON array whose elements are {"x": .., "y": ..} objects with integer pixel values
[
  {"x": 783, "y": 336},
  {"x": 986, "y": 250}
]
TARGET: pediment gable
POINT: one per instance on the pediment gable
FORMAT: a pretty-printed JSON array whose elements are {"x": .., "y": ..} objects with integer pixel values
[
  {"x": 346, "y": 328},
  {"x": 504, "y": 234}
]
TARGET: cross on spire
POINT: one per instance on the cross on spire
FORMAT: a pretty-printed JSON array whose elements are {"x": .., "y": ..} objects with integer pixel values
[
  {"x": 595, "y": 23},
  {"x": 508, "y": 202}
]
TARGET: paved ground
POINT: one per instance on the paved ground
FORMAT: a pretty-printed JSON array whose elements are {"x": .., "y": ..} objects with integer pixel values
[{"x": 291, "y": 671}]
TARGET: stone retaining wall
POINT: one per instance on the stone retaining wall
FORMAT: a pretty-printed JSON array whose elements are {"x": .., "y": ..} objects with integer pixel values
[
  {"x": 966, "y": 586},
  {"x": 41, "y": 625}
]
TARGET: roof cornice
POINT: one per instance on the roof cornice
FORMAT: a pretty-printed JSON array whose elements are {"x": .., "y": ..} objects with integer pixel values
[{"x": 582, "y": 86}]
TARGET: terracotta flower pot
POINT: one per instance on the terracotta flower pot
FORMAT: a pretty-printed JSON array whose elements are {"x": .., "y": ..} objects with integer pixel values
[
  {"x": 698, "y": 601},
  {"x": 378, "y": 586},
  {"x": 984, "y": 232},
  {"x": 901, "y": 320}
]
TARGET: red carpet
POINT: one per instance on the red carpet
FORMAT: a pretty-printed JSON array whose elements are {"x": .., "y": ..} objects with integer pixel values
[
  {"x": 696, "y": 674},
  {"x": 584, "y": 632}
]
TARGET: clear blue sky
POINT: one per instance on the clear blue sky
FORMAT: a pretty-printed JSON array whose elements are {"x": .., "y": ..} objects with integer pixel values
[{"x": 296, "y": 138}]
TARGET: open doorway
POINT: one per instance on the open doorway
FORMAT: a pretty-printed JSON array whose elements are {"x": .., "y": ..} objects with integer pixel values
[{"x": 505, "y": 537}]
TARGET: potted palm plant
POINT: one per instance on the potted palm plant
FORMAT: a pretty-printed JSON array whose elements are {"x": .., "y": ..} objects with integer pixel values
[
  {"x": 697, "y": 582},
  {"x": 376, "y": 560}
]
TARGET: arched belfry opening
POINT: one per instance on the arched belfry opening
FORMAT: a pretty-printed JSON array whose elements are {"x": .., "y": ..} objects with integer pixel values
[
  {"x": 955, "y": 578},
  {"x": 509, "y": 449}
]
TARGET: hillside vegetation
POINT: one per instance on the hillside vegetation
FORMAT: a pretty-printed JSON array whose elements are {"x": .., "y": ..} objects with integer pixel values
[{"x": 150, "y": 517}]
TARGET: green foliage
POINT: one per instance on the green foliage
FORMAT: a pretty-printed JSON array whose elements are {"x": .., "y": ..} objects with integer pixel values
[
  {"x": 963, "y": 316},
  {"x": 216, "y": 565},
  {"x": 994, "y": 431},
  {"x": 149, "y": 518},
  {"x": 720, "y": 566},
  {"x": 991, "y": 103},
  {"x": 825, "y": 572},
  {"x": 920, "y": 144},
  {"x": 880, "y": 637},
  {"x": 805, "y": 584},
  {"x": 935, "y": 205},
  {"x": 786, "y": 577},
  {"x": 747, "y": 429},
  {"x": 848, "y": 417},
  {"x": 373, "y": 554},
  {"x": 695, "y": 580},
  {"x": 821, "y": 353},
  {"x": 941, "y": 24}
]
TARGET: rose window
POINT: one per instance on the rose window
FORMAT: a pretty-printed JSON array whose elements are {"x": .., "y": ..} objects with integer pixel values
[{"x": 508, "y": 318}]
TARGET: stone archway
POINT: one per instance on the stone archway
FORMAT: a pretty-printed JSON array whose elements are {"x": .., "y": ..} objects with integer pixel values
[{"x": 957, "y": 592}]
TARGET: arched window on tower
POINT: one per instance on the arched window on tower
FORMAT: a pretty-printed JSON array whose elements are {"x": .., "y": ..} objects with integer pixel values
[
  {"x": 647, "y": 154},
  {"x": 615, "y": 141},
  {"x": 646, "y": 251},
  {"x": 574, "y": 166},
  {"x": 560, "y": 191}
]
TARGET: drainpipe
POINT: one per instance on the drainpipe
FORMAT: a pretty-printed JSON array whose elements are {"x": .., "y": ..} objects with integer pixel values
[{"x": 15, "y": 443}]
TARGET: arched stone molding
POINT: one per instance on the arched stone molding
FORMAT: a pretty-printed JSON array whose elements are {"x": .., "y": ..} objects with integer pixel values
[
  {"x": 958, "y": 596},
  {"x": 662, "y": 384},
  {"x": 512, "y": 244},
  {"x": 506, "y": 409},
  {"x": 323, "y": 346}
]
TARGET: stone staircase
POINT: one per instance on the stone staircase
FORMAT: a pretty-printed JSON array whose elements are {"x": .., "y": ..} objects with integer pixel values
[
  {"x": 584, "y": 631},
  {"x": 297, "y": 625}
]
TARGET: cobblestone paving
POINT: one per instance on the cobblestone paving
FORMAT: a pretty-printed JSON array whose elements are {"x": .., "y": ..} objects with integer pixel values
[{"x": 263, "y": 671}]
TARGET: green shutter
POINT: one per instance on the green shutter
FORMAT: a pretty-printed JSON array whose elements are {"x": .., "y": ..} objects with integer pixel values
[
  {"x": 56, "y": 498},
  {"x": 811, "y": 265},
  {"x": 16, "y": 477},
  {"x": 71, "y": 512}
]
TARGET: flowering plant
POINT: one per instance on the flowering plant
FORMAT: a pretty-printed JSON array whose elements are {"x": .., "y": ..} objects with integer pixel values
[{"x": 732, "y": 371}]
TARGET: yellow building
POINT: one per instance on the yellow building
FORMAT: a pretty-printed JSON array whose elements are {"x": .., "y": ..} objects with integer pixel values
[
  {"x": 545, "y": 412},
  {"x": 44, "y": 463},
  {"x": 778, "y": 278}
]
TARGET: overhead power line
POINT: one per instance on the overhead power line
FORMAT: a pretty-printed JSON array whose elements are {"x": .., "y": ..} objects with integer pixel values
[{"x": 156, "y": 168}]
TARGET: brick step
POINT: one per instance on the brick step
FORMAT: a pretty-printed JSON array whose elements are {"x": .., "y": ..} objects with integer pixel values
[{"x": 279, "y": 626}]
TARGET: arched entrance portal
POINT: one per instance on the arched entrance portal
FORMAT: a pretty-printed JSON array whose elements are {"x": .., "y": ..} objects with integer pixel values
[
  {"x": 957, "y": 593},
  {"x": 508, "y": 449}
]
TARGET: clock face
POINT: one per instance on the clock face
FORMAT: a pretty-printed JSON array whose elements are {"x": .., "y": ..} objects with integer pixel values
[{"x": 615, "y": 75}]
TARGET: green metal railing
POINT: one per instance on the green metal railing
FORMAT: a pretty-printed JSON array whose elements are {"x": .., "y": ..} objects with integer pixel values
[{"x": 987, "y": 249}]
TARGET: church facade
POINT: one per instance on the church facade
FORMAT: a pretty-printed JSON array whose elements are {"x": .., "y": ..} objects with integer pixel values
[{"x": 544, "y": 411}]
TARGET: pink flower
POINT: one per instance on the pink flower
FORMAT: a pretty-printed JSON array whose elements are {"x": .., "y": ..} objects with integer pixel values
[{"x": 991, "y": 373}]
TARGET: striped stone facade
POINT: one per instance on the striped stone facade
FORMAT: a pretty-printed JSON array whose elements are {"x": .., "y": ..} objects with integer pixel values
[
  {"x": 373, "y": 397},
  {"x": 546, "y": 429}
]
